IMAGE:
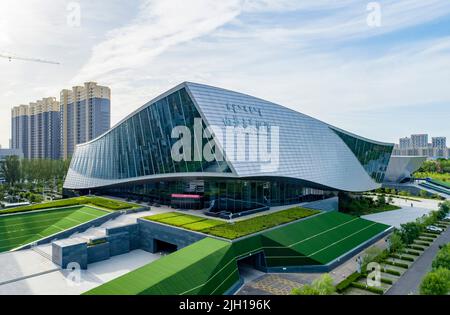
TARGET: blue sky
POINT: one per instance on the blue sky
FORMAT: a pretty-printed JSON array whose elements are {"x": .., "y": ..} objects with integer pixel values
[{"x": 319, "y": 57}]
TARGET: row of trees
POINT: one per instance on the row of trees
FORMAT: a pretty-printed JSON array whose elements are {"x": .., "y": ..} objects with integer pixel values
[
  {"x": 440, "y": 166},
  {"x": 437, "y": 282},
  {"x": 359, "y": 205},
  {"x": 41, "y": 172}
]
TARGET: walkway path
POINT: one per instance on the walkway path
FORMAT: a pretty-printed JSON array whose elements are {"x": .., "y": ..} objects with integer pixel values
[
  {"x": 406, "y": 214},
  {"x": 410, "y": 281}
]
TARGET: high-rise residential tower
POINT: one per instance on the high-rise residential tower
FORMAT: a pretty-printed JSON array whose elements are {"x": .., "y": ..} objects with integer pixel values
[
  {"x": 419, "y": 140},
  {"x": 44, "y": 129},
  {"x": 19, "y": 128},
  {"x": 36, "y": 129},
  {"x": 85, "y": 114}
]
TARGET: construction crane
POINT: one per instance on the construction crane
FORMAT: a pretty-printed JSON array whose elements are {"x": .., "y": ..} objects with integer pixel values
[{"x": 11, "y": 57}]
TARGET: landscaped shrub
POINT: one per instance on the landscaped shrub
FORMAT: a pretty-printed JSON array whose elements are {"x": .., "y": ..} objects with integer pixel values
[
  {"x": 397, "y": 264},
  {"x": 422, "y": 243},
  {"x": 386, "y": 280},
  {"x": 429, "y": 235},
  {"x": 426, "y": 239},
  {"x": 366, "y": 287},
  {"x": 402, "y": 257},
  {"x": 259, "y": 223},
  {"x": 436, "y": 282},
  {"x": 416, "y": 247},
  {"x": 409, "y": 232},
  {"x": 344, "y": 284},
  {"x": 392, "y": 272},
  {"x": 411, "y": 252},
  {"x": 360, "y": 205},
  {"x": 320, "y": 286},
  {"x": 442, "y": 259},
  {"x": 396, "y": 242}
]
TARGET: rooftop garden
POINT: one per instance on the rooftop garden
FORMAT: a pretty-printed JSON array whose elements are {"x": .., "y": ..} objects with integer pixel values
[
  {"x": 99, "y": 202},
  {"x": 232, "y": 230}
]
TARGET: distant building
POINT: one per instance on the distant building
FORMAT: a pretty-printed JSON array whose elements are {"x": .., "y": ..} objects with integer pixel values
[
  {"x": 19, "y": 128},
  {"x": 10, "y": 152},
  {"x": 85, "y": 113},
  {"x": 36, "y": 129},
  {"x": 405, "y": 143},
  {"x": 417, "y": 145},
  {"x": 419, "y": 141},
  {"x": 439, "y": 142}
]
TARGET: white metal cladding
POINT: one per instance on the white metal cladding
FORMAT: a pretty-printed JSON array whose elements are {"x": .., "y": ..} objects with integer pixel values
[
  {"x": 401, "y": 167},
  {"x": 308, "y": 149}
]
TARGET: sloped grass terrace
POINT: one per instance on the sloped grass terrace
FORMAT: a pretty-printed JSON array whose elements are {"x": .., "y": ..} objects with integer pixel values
[
  {"x": 100, "y": 202},
  {"x": 24, "y": 228},
  {"x": 237, "y": 229},
  {"x": 210, "y": 266}
]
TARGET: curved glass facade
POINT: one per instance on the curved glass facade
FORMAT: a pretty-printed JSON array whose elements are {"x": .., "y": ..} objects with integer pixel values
[
  {"x": 373, "y": 157},
  {"x": 312, "y": 158},
  {"x": 141, "y": 145}
]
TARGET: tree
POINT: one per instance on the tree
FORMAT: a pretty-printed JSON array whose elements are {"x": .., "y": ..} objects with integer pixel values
[
  {"x": 409, "y": 232},
  {"x": 442, "y": 259},
  {"x": 396, "y": 242},
  {"x": 436, "y": 282},
  {"x": 11, "y": 169},
  {"x": 320, "y": 286},
  {"x": 381, "y": 200},
  {"x": 423, "y": 194}
]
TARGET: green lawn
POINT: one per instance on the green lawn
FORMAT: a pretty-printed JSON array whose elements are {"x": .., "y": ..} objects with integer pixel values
[
  {"x": 232, "y": 231},
  {"x": 441, "y": 183},
  {"x": 104, "y": 203},
  {"x": 318, "y": 240},
  {"x": 372, "y": 210},
  {"x": 201, "y": 268},
  {"x": 23, "y": 228},
  {"x": 209, "y": 266}
]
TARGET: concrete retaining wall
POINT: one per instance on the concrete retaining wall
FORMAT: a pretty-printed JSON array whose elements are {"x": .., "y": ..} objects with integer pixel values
[
  {"x": 149, "y": 232},
  {"x": 77, "y": 229}
]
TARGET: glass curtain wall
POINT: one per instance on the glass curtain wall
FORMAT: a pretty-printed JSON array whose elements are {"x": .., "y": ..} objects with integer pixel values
[
  {"x": 141, "y": 145},
  {"x": 373, "y": 157}
]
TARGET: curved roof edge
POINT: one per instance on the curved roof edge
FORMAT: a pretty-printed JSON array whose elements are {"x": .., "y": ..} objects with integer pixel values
[{"x": 186, "y": 85}]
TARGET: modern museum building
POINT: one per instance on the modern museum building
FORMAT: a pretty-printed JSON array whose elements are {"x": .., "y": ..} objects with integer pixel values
[{"x": 202, "y": 147}]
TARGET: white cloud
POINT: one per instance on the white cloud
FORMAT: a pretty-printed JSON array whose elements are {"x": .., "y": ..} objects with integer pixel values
[
  {"x": 159, "y": 25},
  {"x": 297, "y": 53}
]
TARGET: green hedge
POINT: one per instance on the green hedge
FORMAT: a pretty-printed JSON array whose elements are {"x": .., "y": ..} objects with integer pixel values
[
  {"x": 344, "y": 284},
  {"x": 259, "y": 223},
  {"x": 95, "y": 201},
  {"x": 402, "y": 257},
  {"x": 397, "y": 264},
  {"x": 429, "y": 235},
  {"x": 367, "y": 288},
  {"x": 426, "y": 239},
  {"x": 416, "y": 247},
  {"x": 422, "y": 243},
  {"x": 411, "y": 252},
  {"x": 392, "y": 272},
  {"x": 387, "y": 281}
]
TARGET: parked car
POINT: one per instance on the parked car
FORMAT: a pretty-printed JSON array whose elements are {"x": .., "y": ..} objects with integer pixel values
[{"x": 433, "y": 228}]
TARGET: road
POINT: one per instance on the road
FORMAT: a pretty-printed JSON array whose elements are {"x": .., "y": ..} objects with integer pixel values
[{"x": 410, "y": 281}]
